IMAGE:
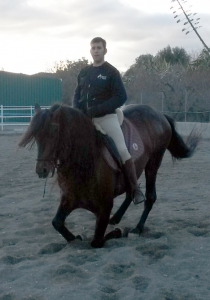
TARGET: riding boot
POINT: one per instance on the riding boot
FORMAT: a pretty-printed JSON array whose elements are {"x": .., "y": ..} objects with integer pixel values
[{"x": 131, "y": 179}]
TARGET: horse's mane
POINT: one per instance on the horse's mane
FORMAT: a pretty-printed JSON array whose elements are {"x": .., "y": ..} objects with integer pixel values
[
  {"x": 78, "y": 144},
  {"x": 37, "y": 123}
]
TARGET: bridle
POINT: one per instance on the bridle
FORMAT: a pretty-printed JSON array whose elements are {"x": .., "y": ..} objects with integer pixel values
[{"x": 53, "y": 161}]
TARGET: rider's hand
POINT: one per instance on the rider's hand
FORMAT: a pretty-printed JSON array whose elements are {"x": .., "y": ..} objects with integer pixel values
[{"x": 92, "y": 112}]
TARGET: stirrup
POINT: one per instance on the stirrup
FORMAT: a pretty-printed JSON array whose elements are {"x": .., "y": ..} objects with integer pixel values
[{"x": 140, "y": 195}]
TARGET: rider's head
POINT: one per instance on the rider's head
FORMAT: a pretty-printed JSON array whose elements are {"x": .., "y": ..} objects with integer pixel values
[
  {"x": 98, "y": 40},
  {"x": 98, "y": 50}
]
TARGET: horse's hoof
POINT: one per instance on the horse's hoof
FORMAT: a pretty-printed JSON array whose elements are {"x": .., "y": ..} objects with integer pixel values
[
  {"x": 80, "y": 237},
  {"x": 97, "y": 244},
  {"x": 118, "y": 233},
  {"x": 114, "y": 234},
  {"x": 126, "y": 232},
  {"x": 114, "y": 221},
  {"x": 136, "y": 231}
]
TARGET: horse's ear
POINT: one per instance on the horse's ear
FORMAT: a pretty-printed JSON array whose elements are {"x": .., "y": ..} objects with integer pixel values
[{"x": 37, "y": 108}]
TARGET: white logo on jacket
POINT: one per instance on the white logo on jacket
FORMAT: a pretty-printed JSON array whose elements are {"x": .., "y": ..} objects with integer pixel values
[{"x": 102, "y": 77}]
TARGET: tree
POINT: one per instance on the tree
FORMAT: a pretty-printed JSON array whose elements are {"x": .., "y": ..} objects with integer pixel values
[
  {"x": 174, "y": 56},
  {"x": 68, "y": 72},
  {"x": 169, "y": 73},
  {"x": 142, "y": 62},
  {"x": 202, "y": 61}
]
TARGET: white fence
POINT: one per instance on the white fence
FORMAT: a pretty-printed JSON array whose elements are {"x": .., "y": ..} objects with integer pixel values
[
  {"x": 16, "y": 115},
  {"x": 186, "y": 104}
]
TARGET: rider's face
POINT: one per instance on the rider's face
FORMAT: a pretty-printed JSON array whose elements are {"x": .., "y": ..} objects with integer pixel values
[{"x": 98, "y": 52}]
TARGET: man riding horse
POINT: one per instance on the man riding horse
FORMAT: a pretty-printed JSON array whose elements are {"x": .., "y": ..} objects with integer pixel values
[{"x": 98, "y": 94}]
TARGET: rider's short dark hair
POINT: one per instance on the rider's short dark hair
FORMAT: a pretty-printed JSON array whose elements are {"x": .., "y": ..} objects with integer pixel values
[{"x": 98, "y": 40}]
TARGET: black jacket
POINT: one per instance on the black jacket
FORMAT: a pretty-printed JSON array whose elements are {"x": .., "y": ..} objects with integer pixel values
[{"x": 99, "y": 91}]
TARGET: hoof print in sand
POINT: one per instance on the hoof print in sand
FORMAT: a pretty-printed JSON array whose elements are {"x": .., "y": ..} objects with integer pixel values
[
  {"x": 154, "y": 235},
  {"x": 10, "y": 242},
  {"x": 12, "y": 260},
  {"x": 199, "y": 232},
  {"x": 119, "y": 271},
  {"x": 108, "y": 290},
  {"x": 81, "y": 259},
  {"x": 140, "y": 283},
  {"x": 175, "y": 295},
  {"x": 109, "y": 297},
  {"x": 7, "y": 297},
  {"x": 52, "y": 248},
  {"x": 154, "y": 251},
  {"x": 68, "y": 272}
]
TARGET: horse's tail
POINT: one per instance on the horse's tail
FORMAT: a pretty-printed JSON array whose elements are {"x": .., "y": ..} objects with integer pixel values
[{"x": 177, "y": 147}]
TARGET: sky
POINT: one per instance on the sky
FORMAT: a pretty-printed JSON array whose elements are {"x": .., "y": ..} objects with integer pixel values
[{"x": 34, "y": 34}]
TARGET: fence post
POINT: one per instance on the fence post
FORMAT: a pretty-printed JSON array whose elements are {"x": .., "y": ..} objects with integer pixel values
[
  {"x": 186, "y": 107},
  {"x": 31, "y": 111},
  {"x": 141, "y": 97},
  {"x": 2, "y": 119}
]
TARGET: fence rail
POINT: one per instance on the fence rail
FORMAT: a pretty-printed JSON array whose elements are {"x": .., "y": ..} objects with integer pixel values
[
  {"x": 21, "y": 115},
  {"x": 183, "y": 108},
  {"x": 16, "y": 115},
  {"x": 190, "y": 116}
]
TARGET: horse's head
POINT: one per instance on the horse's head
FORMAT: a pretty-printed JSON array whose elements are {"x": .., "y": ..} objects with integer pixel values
[
  {"x": 45, "y": 132},
  {"x": 47, "y": 142},
  {"x": 63, "y": 134}
]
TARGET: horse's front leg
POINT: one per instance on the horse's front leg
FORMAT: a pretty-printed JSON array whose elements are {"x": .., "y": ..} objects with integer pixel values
[
  {"x": 59, "y": 220},
  {"x": 102, "y": 220},
  {"x": 121, "y": 211}
]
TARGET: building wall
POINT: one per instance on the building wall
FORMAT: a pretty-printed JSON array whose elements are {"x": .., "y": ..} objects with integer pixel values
[{"x": 24, "y": 90}]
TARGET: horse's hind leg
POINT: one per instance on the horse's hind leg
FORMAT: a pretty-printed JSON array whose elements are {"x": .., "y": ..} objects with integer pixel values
[
  {"x": 59, "y": 220},
  {"x": 150, "y": 174},
  {"x": 121, "y": 211}
]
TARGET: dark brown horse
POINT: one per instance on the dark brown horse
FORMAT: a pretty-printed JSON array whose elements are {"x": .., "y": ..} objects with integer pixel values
[{"x": 67, "y": 141}]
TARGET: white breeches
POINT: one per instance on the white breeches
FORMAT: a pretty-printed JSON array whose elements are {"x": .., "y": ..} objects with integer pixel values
[{"x": 109, "y": 125}]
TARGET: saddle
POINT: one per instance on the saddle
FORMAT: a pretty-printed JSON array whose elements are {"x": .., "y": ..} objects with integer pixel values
[{"x": 133, "y": 142}]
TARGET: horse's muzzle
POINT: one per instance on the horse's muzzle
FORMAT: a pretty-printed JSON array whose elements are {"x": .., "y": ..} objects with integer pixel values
[
  {"x": 42, "y": 173},
  {"x": 42, "y": 169}
]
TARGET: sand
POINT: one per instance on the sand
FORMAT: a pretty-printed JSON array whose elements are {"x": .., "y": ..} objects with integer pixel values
[{"x": 170, "y": 261}]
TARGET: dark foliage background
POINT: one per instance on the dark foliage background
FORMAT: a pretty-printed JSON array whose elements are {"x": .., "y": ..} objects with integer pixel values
[{"x": 172, "y": 81}]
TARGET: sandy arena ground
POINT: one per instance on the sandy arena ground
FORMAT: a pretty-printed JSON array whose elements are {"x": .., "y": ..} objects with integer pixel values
[{"x": 171, "y": 261}]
